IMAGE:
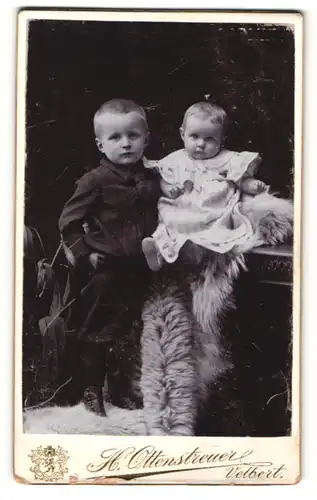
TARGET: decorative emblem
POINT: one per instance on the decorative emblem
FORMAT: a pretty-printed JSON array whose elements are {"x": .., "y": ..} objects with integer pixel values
[{"x": 49, "y": 464}]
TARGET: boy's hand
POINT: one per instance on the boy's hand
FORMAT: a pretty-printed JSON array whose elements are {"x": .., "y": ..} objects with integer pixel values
[{"x": 96, "y": 259}]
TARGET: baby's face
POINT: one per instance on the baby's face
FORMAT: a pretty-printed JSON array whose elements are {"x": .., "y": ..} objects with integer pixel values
[
  {"x": 122, "y": 137},
  {"x": 202, "y": 139}
]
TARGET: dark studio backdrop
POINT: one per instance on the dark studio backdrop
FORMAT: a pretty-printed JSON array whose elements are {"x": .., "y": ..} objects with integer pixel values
[{"x": 73, "y": 67}]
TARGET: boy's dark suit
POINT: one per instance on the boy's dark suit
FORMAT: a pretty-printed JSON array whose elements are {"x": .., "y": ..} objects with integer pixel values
[{"x": 119, "y": 204}]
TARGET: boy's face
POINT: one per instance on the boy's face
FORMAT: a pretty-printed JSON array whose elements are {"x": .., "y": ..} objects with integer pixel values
[
  {"x": 122, "y": 137},
  {"x": 202, "y": 139}
]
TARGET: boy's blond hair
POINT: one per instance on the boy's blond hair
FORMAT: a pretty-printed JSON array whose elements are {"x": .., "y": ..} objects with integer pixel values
[
  {"x": 207, "y": 110},
  {"x": 118, "y": 106}
]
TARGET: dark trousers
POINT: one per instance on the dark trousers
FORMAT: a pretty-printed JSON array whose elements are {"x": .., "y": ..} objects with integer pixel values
[{"x": 108, "y": 321}]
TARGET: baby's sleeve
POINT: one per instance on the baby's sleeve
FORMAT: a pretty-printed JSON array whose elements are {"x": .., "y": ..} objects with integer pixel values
[
  {"x": 150, "y": 164},
  {"x": 167, "y": 169},
  {"x": 168, "y": 172},
  {"x": 162, "y": 167},
  {"x": 244, "y": 164}
]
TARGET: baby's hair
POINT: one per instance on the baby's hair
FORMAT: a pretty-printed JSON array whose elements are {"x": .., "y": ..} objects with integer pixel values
[
  {"x": 208, "y": 110},
  {"x": 118, "y": 106}
]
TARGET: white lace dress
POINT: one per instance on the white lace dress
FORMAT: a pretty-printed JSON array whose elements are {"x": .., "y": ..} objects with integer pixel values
[{"x": 210, "y": 214}]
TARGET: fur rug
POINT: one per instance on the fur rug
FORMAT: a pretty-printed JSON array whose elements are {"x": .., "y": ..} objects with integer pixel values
[
  {"x": 182, "y": 353},
  {"x": 76, "y": 419}
]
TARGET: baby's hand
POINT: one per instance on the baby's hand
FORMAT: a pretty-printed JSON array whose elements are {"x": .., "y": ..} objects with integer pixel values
[
  {"x": 253, "y": 186},
  {"x": 188, "y": 187},
  {"x": 96, "y": 259},
  {"x": 259, "y": 186},
  {"x": 174, "y": 192}
]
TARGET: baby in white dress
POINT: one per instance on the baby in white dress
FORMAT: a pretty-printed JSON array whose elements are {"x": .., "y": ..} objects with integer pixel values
[{"x": 202, "y": 186}]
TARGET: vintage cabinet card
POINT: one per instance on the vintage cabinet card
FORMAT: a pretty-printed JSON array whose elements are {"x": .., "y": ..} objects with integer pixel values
[{"x": 157, "y": 309}]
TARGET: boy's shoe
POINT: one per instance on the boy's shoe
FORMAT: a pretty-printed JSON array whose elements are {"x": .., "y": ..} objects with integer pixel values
[
  {"x": 152, "y": 255},
  {"x": 93, "y": 400}
]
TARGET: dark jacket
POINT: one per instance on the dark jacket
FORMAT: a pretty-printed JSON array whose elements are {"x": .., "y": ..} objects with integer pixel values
[{"x": 120, "y": 206}]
